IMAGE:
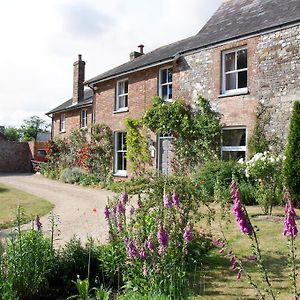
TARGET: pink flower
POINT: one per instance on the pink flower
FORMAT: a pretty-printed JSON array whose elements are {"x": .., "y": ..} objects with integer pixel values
[
  {"x": 188, "y": 233},
  {"x": 106, "y": 213},
  {"x": 176, "y": 200},
  {"x": 290, "y": 226},
  {"x": 167, "y": 201},
  {"x": 238, "y": 276},
  {"x": 238, "y": 211}
]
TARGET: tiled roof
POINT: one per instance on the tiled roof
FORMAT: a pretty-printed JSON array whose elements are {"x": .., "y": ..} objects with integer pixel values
[
  {"x": 87, "y": 101},
  {"x": 234, "y": 19}
]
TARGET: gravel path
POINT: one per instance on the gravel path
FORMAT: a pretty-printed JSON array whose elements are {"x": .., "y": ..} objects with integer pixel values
[{"x": 73, "y": 204}]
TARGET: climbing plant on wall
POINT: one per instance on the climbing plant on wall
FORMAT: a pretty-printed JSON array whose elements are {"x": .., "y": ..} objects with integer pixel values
[
  {"x": 137, "y": 145},
  {"x": 196, "y": 132}
]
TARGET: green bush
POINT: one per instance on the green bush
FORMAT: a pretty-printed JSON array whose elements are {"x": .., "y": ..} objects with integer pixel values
[
  {"x": 75, "y": 260},
  {"x": 28, "y": 259},
  {"x": 72, "y": 175},
  {"x": 218, "y": 170},
  {"x": 291, "y": 167}
]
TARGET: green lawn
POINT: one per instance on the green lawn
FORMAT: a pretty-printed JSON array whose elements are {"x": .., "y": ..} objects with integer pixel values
[
  {"x": 11, "y": 198},
  {"x": 219, "y": 281}
]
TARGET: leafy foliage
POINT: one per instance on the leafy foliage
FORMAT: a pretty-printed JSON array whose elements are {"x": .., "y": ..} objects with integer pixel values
[
  {"x": 196, "y": 132},
  {"x": 31, "y": 127},
  {"x": 12, "y": 134},
  {"x": 137, "y": 147},
  {"x": 292, "y": 162}
]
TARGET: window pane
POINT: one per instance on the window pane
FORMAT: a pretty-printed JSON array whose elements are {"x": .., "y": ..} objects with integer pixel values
[
  {"x": 119, "y": 141},
  {"x": 233, "y": 155},
  {"x": 124, "y": 162},
  {"x": 242, "y": 59},
  {"x": 164, "y": 92},
  {"x": 126, "y": 87},
  {"x": 124, "y": 141},
  {"x": 170, "y": 75},
  {"x": 230, "y": 62},
  {"x": 120, "y": 88},
  {"x": 121, "y": 101},
  {"x": 230, "y": 83},
  {"x": 170, "y": 91},
  {"x": 234, "y": 137},
  {"x": 242, "y": 79},
  {"x": 119, "y": 161},
  {"x": 126, "y": 101},
  {"x": 164, "y": 76}
]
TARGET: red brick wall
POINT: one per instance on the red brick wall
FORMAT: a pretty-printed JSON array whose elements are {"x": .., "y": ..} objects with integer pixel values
[
  {"x": 15, "y": 157},
  {"x": 72, "y": 118}
]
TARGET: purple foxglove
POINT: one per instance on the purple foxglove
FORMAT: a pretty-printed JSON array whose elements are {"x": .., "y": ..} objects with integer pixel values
[
  {"x": 124, "y": 198},
  {"x": 188, "y": 233},
  {"x": 106, "y": 212},
  {"x": 38, "y": 223},
  {"x": 290, "y": 225},
  {"x": 240, "y": 216},
  {"x": 176, "y": 200},
  {"x": 167, "y": 201}
]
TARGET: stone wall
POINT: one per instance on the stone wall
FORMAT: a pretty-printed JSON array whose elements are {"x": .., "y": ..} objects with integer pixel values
[
  {"x": 15, "y": 157},
  {"x": 279, "y": 76},
  {"x": 273, "y": 80}
]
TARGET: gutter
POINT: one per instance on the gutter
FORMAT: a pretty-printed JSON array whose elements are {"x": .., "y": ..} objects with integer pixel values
[
  {"x": 68, "y": 108},
  {"x": 89, "y": 84}
]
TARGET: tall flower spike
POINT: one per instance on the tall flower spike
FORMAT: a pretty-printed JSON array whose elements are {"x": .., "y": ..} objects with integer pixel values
[
  {"x": 167, "y": 201},
  {"x": 176, "y": 200},
  {"x": 163, "y": 239},
  {"x": 290, "y": 226},
  {"x": 120, "y": 208},
  {"x": 124, "y": 198},
  {"x": 240, "y": 216},
  {"x": 188, "y": 233},
  {"x": 38, "y": 223},
  {"x": 106, "y": 212}
]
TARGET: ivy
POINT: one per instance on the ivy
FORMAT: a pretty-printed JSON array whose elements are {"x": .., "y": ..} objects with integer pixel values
[
  {"x": 137, "y": 146},
  {"x": 196, "y": 133}
]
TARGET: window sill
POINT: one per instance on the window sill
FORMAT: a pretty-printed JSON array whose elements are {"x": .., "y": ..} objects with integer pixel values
[
  {"x": 62, "y": 131},
  {"x": 120, "y": 175},
  {"x": 121, "y": 110},
  {"x": 235, "y": 93}
]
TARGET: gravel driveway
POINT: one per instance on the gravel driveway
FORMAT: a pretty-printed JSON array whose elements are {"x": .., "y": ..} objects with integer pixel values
[{"x": 73, "y": 204}]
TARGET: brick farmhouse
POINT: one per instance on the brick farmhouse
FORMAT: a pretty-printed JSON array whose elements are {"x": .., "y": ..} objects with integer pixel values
[{"x": 247, "y": 54}]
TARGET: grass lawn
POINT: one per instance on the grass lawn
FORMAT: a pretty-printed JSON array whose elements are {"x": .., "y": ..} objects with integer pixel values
[
  {"x": 11, "y": 198},
  {"x": 219, "y": 281}
]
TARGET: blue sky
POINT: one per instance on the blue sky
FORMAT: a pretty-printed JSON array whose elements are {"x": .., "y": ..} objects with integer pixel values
[{"x": 40, "y": 40}]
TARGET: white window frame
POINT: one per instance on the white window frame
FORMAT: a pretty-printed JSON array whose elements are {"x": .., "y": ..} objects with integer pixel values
[
  {"x": 234, "y": 148},
  {"x": 62, "y": 123},
  {"x": 122, "y": 173},
  {"x": 235, "y": 71},
  {"x": 118, "y": 108},
  {"x": 83, "y": 118},
  {"x": 166, "y": 83}
]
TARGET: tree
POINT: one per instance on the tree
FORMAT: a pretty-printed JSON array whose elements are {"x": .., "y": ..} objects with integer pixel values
[
  {"x": 31, "y": 127},
  {"x": 12, "y": 134},
  {"x": 291, "y": 168}
]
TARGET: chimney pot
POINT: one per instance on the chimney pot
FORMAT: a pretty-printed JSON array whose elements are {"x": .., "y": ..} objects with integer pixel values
[
  {"x": 79, "y": 57},
  {"x": 141, "y": 46}
]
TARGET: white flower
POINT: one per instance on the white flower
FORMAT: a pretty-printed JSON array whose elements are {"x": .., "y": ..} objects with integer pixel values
[{"x": 241, "y": 161}]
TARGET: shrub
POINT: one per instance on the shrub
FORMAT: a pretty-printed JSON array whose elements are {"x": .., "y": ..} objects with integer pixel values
[
  {"x": 28, "y": 260},
  {"x": 291, "y": 167},
  {"x": 265, "y": 171},
  {"x": 75, "y": 260},
  {"x": 218, "y": 171},
  {"x": 72, "y": 175}
]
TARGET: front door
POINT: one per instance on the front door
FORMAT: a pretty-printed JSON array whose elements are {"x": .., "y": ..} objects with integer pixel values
[{"x": 165, "y": 155}]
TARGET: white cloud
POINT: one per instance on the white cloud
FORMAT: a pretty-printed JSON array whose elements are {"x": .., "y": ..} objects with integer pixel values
[{"x": 41, "y": 40}]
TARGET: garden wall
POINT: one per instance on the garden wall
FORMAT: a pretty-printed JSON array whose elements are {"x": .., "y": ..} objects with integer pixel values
[{"x": 15, "y": 157}]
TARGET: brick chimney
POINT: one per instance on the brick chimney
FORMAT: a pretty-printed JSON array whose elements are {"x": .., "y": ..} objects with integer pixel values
[
  {"x": 78, "y": 79},
  {"x": 136, "y": 54}
]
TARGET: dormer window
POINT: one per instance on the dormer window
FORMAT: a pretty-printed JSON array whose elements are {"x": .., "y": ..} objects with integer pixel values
[
  {"x": 165, "y": 83},
  {"x": 234, "y": 71}
]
